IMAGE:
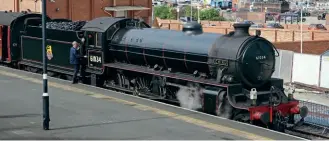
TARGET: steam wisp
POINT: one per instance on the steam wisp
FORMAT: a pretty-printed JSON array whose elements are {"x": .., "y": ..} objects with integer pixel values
[{"x": 189, "y": 98}]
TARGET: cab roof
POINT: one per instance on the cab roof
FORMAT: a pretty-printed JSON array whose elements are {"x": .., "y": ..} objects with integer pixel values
[
  {"x": 101, "y": 24},
  {"x": 6, "y": 18}
]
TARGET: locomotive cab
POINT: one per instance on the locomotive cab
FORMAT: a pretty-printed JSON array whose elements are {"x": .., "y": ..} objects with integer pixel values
[
  {"x": 93, "y": 50},
  {"x": 100, "y": 32}
]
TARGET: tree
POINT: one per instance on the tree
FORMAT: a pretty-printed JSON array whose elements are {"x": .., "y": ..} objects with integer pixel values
[
  {"x": 187, "y": 12},
  {"x": 164, "y": 12},
  {"x": 210, "y": 14},
  {"x": 167, "y": 12},
  {"x": 205, "y": 14}
]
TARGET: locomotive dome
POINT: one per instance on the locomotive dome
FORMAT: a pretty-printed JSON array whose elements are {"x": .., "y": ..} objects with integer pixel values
[{"x": 193, "y": 28}]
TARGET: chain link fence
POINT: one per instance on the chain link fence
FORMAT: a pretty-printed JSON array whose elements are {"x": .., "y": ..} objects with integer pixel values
[{"x": 317, "y": 114}]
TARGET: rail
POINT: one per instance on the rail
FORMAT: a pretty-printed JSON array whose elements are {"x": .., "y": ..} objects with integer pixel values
[
  {"x": 316, "y": 124},
  {"x": 310, "y": 131}
]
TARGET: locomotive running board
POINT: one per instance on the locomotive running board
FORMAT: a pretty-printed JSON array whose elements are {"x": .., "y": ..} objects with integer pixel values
[
  {"x": 131, "y": 92},
  {"x": 142, "y": 69},
  {"x": 66, "y": 71}
]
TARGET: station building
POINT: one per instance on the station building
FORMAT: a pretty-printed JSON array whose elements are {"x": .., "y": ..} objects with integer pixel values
[{"x": 83, "y": 9}]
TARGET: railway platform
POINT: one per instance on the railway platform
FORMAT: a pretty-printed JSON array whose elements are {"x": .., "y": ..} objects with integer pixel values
[{"x": 84, "y": 112}]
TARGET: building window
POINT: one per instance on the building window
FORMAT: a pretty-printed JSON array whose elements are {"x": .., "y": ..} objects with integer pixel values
[{"x": 120, "y": 14}]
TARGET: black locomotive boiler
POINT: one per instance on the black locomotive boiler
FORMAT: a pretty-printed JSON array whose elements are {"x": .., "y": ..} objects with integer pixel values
[{"x": 229, "y": 75}]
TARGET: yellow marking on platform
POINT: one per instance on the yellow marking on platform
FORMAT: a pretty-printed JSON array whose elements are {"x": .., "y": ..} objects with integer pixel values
[{"x": 187, "y": 119}]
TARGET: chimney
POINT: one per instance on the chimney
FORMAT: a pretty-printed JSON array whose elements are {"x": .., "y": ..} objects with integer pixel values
[{"x": 241, "y": 29}]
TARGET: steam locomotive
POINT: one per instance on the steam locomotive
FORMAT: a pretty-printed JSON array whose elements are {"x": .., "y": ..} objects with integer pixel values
[{"x": 230, "y": 75}]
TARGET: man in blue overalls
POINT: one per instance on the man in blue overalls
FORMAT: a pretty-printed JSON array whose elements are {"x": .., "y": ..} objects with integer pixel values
[{"x": 75, "y": 60}]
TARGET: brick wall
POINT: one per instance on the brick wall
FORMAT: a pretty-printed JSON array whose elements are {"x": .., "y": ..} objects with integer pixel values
[
  {"x": 58, "y": 9},
  {"x": 6, "y": 5},
  {"x": 82, "y": 10},
  {"x": 309, "y": 47},
  {"x": 90, "y": 9},
  {"x": 20, "y": 5},
  {"x": 99, "y": 5},
  {"x": 273, "y": 35},
  {"x": 314, "y": 42},
  {"x": 258, "y": 17},
  {"x": 145, "y": 14},
  {"x": 77, "y": 9},
  {"x": 250, "y": 16},
  {"x": 33, "y": 5}
]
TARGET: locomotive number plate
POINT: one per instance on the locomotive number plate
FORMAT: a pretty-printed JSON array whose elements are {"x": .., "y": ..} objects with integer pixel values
[
  {"x": 221, "y": 62},
  {"x": 95, "y": 59}
]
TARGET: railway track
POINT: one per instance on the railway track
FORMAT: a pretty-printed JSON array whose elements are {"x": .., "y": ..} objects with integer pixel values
[
  {"x": 311, "y": 88},
  {"x": 310, "y": 131},
  {"x": 304, "y": 130}
]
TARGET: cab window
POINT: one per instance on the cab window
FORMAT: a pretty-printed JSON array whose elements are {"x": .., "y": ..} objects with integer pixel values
[
  {"x": 112, "y": 30},
  {"x": 94, "y": 39},
  {"x": 91, "y": 39},
  {"x": 98, "y": 39}
]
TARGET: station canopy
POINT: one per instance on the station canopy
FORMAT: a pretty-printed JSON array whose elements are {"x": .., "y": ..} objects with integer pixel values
[{"x": 125, "y": 8}]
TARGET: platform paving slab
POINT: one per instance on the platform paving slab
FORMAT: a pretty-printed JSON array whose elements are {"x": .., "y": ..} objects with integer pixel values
[
  {"x": 76, "y": 116},
  {"x": 83, "y": 112}
]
